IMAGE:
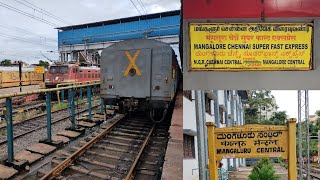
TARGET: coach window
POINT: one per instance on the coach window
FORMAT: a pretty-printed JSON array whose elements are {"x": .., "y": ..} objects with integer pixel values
[
  {"x": 208, "y": 104},
  {"x": 221, "y": 115},
  {"x": 188, "y": 147}
]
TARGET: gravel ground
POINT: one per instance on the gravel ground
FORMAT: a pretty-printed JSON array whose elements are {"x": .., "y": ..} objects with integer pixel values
[{"x": 32, "y": 138}]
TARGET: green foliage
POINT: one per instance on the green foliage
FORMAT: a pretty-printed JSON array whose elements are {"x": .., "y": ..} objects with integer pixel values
[
  {"x": 44, "y": 64},
  {"x": 263, "y": 170},
  {"x": 258, "y": 100},
  {"x": 313, "y": 131},
  {"x": 279, "y": 118},
  {"x": 5, "y": 62}
]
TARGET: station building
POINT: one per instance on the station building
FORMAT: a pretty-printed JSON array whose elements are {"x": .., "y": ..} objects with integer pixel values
[
  {"x": 225, "y": 108},
  {"x": 84, "y": 42}
]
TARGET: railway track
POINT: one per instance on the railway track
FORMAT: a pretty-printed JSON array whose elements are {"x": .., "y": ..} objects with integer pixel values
[
  {"x": 127, "y": 148},
  {"x": 314, "y": 172},
  {"x": 30, "y": 125}
]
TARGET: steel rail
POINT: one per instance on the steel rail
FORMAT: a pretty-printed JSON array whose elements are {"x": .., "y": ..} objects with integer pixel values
[
  {"x": 129, "y": 175},
  {"x": 64, "y": 164}
]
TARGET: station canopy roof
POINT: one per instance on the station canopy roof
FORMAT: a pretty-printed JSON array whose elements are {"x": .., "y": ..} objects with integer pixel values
[{"x": 121, "y": 20}]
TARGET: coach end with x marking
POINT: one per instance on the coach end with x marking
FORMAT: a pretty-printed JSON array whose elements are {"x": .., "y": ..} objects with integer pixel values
[{"x": 139, "y": 75}]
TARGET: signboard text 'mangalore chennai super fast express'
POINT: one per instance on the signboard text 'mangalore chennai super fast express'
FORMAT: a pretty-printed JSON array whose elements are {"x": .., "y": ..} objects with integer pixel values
[{"x": 240, "y": 47}]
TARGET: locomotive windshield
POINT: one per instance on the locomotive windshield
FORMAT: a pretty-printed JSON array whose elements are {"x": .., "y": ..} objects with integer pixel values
[{"x": 58, "y": 69}]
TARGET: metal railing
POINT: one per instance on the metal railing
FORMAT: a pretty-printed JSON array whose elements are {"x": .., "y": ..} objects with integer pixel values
[
  {"x": 71, "y": 88},
  {"x": 72, "y": 84}
]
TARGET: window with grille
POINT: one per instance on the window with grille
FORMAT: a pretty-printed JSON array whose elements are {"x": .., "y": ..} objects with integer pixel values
[
  {"x": 221, "y": 115},
  {"x": 188, "y": 146},
  {"x": 188, "y": 94},
  {"x": 208, "y": 104}
]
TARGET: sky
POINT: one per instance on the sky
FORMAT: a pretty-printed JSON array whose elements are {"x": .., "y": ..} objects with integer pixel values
[
  {"x": 42, "y": 37},
  {"x": 287, "y": 100}
]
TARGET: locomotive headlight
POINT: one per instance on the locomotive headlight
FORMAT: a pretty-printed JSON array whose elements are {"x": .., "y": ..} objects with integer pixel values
[
  {"x": 111, "y": 87},
  {"x": 166, "y": 79}
]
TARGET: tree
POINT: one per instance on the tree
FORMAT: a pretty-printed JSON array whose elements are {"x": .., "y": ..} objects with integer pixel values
[
  {"x": 44, "y": 64},
  {"x": 258, "y": 99},
  {"x": 279, "y": 118},
  {"x": 5, "y": 62}
]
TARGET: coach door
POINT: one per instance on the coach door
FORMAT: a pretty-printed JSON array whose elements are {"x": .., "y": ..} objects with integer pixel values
[{"x": 135, "y": 73}]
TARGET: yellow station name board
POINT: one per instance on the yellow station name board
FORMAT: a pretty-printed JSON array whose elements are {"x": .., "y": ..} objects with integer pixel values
[
  {"x": 39, "y": 69},
  {"x": 250, "y": 46},
  {"x": 251, "y": 141}
]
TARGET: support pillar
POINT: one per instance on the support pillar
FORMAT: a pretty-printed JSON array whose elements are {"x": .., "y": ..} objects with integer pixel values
[
  {"x": 81, "y": 93},
  {"x": 62, "y": 96},
  {"x": 233, "y": 122},
  {"x": 9, "y": 130},
  {"x": 200, "y": 121},
  {"x": 102, "y": 106},
  {"x": 216, "y": 109},
  {"x": 226, "y": 119},
  {"x": 292, "y": 168},
  {"x": 89, "y": 102},
  {"x": 213, "y": 165},
  {"x": 48, "y": 108}
]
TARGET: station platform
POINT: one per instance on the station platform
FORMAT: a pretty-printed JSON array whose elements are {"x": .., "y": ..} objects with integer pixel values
[
  {"x": 243, "y": 173},
  {"x": 173, "y": 166},
  {"x": 17, "y": 89}
]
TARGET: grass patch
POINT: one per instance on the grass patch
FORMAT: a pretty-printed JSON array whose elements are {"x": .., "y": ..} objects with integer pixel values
[
  {"x": 21, "y": 116},
  {"x": 57, "y": 107}
]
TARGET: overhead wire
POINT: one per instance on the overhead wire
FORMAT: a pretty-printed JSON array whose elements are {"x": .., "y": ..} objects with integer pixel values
[
  {"x": 27, "y": 32},
  {"x": 151, "y": 29},
  {"x": 43, "y": 11},
  {"x": 142, "y": 6},
  {"x": 27, "y": 14},
  {"x": 24, "y": 40}
]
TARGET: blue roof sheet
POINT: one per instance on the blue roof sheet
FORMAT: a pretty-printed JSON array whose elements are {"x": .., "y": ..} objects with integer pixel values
[{"x": 152, "y": 25}]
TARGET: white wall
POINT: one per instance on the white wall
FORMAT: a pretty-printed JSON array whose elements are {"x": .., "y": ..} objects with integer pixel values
[{"x": 189, "y": 122}]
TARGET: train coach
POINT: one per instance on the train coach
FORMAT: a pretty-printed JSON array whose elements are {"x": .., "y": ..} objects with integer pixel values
[
  {"x": 139, "y": 74},
  {"x": 9, "y": 77}
]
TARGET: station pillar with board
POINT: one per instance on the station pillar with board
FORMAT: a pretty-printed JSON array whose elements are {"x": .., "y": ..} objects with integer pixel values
[{"x": 252, "y": 141}]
